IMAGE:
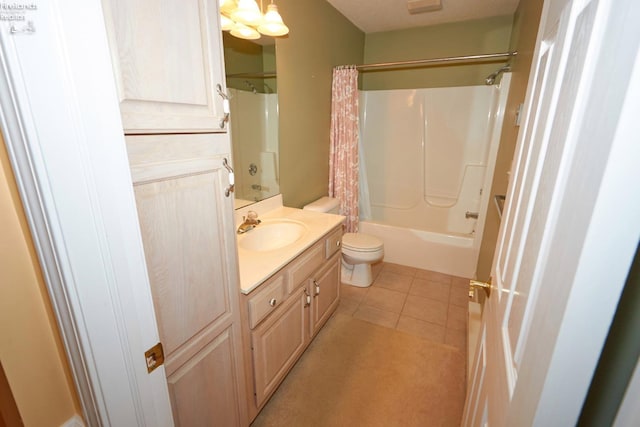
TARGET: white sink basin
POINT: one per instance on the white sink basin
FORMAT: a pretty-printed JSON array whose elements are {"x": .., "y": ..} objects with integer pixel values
[{"x": 271, "y": 235}]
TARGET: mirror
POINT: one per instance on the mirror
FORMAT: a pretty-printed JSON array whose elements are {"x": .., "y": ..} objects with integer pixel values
[{"x": 252, "y": 87}]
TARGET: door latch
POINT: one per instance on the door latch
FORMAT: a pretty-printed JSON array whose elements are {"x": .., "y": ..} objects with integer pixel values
[
  {"x": 154, "y": 357},
  {"x": 475, "y": 284}
]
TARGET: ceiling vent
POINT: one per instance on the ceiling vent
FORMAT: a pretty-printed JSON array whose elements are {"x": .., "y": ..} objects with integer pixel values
[{"x": 422, "y": 6}]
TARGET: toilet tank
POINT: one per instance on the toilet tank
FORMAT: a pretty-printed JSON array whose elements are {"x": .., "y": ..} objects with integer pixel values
[{"x": 324, "y": 204}]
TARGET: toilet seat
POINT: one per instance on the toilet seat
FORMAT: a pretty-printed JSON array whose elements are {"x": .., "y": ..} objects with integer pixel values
[{"x": 361, "y": 242}]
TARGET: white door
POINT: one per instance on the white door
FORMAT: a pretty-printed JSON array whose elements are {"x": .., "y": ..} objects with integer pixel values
[{"x": 571, "y": 223}]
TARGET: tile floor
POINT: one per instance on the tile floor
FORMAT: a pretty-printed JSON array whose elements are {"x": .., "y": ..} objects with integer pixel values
[{"x": 419, "y": 302}]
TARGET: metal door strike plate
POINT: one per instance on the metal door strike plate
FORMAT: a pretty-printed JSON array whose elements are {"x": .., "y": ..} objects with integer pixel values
[{"x": 154, "y": 357}]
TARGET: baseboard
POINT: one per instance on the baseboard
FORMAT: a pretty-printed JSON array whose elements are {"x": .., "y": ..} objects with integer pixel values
[{"x": 75, "y": 421}]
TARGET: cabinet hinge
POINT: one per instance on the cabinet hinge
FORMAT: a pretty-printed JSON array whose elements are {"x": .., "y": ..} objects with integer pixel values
[{"x": 154, "y": 357}]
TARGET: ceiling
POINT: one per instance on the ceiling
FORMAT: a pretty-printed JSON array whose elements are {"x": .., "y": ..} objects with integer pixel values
[{"x": 373, "y": 16}]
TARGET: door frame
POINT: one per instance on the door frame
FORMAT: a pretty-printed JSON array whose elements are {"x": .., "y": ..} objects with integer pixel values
[{"x": 63, "y": 132}]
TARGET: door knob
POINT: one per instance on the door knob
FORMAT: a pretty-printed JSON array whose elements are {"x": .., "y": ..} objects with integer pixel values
[{"x": 475, "y": 284}]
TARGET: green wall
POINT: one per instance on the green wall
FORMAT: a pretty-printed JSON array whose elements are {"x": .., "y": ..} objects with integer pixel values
[
  {"x": 319, "y": 39},
  {"x": 490, "y": 35}
]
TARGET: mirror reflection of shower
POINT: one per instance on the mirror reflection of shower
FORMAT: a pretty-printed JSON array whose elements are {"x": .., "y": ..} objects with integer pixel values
[
  {"x": 252, "y": 87},
  {"x": 254, "y": 134}
]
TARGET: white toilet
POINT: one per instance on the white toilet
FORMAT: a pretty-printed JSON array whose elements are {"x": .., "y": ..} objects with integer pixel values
[{"x": 359, "y": 250}]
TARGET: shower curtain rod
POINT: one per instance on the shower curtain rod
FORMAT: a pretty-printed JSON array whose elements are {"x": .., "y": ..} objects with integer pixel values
[{"x": 435, "y": 61}]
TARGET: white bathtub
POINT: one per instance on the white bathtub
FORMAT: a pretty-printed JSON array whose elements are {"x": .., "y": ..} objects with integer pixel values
[
  {"x": 427, "y": 161},
  {"x": 444, "y": 253}
]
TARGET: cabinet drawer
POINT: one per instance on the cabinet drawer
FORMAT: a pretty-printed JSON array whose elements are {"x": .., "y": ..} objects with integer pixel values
[
  {"x": 333, "y": 243},
  {"x": 302, "y": 267},
  {"x": 265, "y": 301}
]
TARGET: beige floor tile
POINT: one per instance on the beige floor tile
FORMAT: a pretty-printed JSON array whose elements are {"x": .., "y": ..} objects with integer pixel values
[
  {"x": 433, "y": 276},
  {"x": 459, "y": 296},
  {"x": 393, "y": 281},
  {"x": 426, "y": 309},
  {"x": 420, "y": 328},
  {"x": 376, "y": 269},
  {"x": 460, "y": 281},
  {"x": 385, "y": 299},
  {"x": 347, "y": 306},
  {"x": 457, "y": 318},
  {"x": 353, "y": 292},
  {"x": 399, "y": 269},
  {"x": 377, "y": 316},
  {"x": 430, "y": 289},
  {"x": 456, "y": 339}
]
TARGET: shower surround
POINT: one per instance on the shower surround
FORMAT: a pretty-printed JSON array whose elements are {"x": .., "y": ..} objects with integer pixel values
[
  {"x": 254, "y": 131},
  {"x": 427, "y": 160}
]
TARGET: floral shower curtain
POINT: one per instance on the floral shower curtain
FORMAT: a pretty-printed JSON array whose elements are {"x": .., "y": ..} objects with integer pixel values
[{"x": 343, "y": 158}]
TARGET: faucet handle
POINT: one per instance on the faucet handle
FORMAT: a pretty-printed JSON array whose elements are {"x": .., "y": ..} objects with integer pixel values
[{"x": 252, "y": 215}]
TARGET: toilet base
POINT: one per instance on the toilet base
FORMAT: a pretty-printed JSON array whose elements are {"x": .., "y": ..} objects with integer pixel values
[{"x": 356, "y": 274}]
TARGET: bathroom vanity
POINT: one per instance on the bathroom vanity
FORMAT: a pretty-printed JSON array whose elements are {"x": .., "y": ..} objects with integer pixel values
[{"x": 287, "y": 293}]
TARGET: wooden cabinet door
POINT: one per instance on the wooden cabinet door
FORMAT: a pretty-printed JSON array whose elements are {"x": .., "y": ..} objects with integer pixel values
[
  {"x": 189, "y": 241},
  {"x": 167, "y": 63},
  {"x": 200, "y": 389},
  {"x": 277, "y": 343},
  {"x": 325, "y": 286}
]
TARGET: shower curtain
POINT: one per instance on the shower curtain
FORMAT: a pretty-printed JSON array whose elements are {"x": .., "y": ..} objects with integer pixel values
[{"x": 343, "y": 156}]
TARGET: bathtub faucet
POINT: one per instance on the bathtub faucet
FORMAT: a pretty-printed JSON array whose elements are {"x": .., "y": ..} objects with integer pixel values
[{"x": 473, "y": 215}]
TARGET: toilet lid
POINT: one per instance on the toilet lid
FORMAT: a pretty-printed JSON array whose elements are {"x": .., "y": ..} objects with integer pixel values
[{"x": 361, "y": 242}]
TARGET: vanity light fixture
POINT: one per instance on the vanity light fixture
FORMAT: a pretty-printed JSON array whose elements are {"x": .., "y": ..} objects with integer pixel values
[
  {"x": 244, "y": 32},
  {"x": 226, "y": 24},
  {"x": 272, "y": 24},
  {"x": 247, "y": 13},
  {"x": 244, "y": 19}
]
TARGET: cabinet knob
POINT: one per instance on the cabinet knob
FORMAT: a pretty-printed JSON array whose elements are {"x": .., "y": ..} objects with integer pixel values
[
  {"x": 273, "y": 302},
  {"x": 338, "y": 243},
  {"x": 317, "y": 285}
]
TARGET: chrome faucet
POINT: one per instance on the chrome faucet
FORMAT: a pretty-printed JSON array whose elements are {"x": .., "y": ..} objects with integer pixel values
[{"x": 249, "y": 222}]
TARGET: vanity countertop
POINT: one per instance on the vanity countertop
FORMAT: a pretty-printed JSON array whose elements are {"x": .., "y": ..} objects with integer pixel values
[{"x": 258, "y": 266}]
